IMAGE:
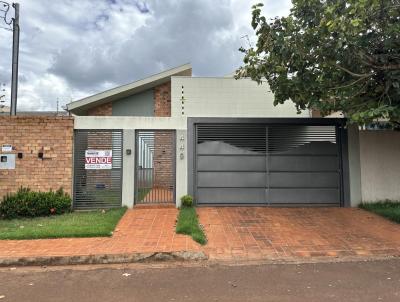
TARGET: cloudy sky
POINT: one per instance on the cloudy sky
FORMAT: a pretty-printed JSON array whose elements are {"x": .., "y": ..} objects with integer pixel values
[{"x": 73, "y": 48}]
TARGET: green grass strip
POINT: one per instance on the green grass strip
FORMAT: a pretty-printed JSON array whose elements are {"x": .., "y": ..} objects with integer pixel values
[
  {"x": 76, "y": 224},
  {"x": 188, "y": 224},
  {"x": 387, "y": 209}
]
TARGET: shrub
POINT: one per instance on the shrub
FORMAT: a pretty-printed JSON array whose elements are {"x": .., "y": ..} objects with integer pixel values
[
  {"x": 27, "y": 203},
  {"x": 187, "y": 200}
]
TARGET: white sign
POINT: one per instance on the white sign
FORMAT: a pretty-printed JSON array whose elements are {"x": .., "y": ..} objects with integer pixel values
[
  {"x": 98, "y": 159},
  {"x": 6, "y": 148}
]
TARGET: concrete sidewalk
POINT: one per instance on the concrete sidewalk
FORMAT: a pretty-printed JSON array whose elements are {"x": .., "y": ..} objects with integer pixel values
[{"x": 234, "y": 234}]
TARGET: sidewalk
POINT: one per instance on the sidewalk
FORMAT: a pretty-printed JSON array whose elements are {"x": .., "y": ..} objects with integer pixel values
[
  {"x": 234, "y": 234},
  {"x": 141, "y": 233}
]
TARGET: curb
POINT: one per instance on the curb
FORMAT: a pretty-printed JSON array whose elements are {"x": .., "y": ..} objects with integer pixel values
[{"x": 104, "y": 259}]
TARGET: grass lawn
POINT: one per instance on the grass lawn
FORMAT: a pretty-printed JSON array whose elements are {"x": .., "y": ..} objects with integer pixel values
[
  {"x": 188, "y": 224},
  {"x": 76, "y": 224},
  {"x": 387, "y": 209}
]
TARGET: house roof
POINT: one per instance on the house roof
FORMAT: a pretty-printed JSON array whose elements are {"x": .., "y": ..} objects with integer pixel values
[{"x": 81, "y": 106}]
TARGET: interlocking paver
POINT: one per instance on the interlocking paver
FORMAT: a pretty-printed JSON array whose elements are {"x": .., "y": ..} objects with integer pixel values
[
  {"x": 139, "y": 231},
  {"x": 260, "y": 232},
  {"x": 238, "y": 233}
]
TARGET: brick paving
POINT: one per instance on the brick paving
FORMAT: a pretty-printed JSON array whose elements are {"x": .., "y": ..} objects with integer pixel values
[
  {"x": 279, "y": 233},
  {"x": 141, "y": 230},
  {"x": 237, "y": 233}
]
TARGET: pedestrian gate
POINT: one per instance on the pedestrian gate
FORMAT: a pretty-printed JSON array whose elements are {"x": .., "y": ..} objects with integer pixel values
[
  {"x": 155, "y": 167},
  {"x": 97, "y": 169}
]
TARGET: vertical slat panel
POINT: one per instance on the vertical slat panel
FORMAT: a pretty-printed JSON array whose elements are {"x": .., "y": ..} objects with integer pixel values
[
  {"x": 155, "y": 166},
  {"x": 95, "y": 189},
  {"x": 291, "y": 164}
]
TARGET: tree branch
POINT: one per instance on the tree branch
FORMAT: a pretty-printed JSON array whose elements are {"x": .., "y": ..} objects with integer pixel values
[
  {"x": 351, "y": 84},
  {"x": 357, "y": 75}
]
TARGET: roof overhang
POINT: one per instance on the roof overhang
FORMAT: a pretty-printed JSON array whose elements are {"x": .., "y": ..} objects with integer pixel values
[{"x": 80, "y": 107}]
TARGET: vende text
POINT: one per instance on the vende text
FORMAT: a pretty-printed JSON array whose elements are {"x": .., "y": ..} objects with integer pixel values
[{"x": 98, "y": 160}]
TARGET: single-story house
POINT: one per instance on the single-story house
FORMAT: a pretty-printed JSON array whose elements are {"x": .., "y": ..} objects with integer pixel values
[{"x": 218, "y": 139}]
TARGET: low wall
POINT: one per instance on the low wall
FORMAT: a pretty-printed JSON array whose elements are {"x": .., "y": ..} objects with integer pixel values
[
  {"x": 29, "y": 136},
  {"x": 380, "y": 165}
]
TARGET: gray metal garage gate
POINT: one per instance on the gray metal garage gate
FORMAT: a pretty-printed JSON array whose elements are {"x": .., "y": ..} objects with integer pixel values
[{"x": 287, "y": 162}]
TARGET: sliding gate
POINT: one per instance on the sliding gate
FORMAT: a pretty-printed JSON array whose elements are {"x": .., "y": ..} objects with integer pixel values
[
  {"x": 270, "y": 164},
  {"x": 155, "y": 166}
]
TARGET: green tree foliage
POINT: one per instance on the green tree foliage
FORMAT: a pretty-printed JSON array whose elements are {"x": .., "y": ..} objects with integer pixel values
[{"x": 331, "y": 56}]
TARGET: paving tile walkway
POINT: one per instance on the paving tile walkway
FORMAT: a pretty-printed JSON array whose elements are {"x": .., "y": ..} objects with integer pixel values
[
  {"x": 141, "y": 230},
  {"x": 280, "y": 233},
  {"x": 237, "y": 233}
]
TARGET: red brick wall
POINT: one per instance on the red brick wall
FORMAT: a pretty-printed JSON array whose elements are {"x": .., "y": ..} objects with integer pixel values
[
  {"x": 101, "y": 110},
  {"x": 162, "y": 100},
  {"x": 33, "y": 134},
  {"x": 163, "y": 160}
]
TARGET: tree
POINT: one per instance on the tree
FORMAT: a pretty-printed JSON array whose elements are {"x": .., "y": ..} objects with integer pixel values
[{"x": 331, "y": 55}]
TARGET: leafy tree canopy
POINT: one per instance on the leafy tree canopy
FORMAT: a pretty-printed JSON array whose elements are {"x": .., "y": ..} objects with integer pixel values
[{"x": 331, "y": 55}]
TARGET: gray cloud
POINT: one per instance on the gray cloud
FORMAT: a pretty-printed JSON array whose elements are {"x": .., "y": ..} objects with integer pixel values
[{"x": 70, "y": 49}]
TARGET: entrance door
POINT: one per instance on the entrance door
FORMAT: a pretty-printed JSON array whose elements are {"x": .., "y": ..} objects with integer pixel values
[
  {"x": 260, "y": 164},
  {"x": 155, "y": 166}
]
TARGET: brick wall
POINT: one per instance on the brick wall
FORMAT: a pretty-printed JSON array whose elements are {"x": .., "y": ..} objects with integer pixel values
[
  {"x": 30, "y": 135},
  {"x": 163, "y": 160},
  {"x": 101, "y": 110},
  {"x": 162, "y": 100}
]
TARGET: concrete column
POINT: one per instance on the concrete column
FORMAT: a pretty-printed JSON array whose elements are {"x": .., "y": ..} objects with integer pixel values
[
  {"x": 128, "y": 174},
  {"x": 354, "y": 165},
  {"x": 181, "y": 165}
]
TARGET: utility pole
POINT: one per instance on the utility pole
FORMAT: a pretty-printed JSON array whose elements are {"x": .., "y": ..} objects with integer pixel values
[{"x": 15, "y": 54}]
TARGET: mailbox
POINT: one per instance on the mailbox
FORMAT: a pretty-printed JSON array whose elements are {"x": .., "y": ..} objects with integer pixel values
[{"x": 7, "y": 161}]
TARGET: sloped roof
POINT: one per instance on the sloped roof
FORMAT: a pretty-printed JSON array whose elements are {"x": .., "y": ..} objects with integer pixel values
[{"x": 80, "y": 106}]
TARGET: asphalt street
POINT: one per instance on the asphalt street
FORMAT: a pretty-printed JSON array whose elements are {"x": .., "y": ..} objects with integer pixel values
[{"x": 352, "y": 281}]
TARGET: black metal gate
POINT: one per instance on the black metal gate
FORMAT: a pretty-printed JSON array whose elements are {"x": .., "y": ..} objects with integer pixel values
[
  {"x": 155, "y": 166},
  {"x": 97, "y": 169},
  {"x": 268, "y": 164}
]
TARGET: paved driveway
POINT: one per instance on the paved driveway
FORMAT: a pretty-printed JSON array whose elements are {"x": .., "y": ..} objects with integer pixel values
[
  {"x": 282, "y": 233},
  {"x": 237, "y": 233}
]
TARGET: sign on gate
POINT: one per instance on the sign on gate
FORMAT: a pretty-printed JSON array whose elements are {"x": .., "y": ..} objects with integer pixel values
[{"x": 98, "y": 159}]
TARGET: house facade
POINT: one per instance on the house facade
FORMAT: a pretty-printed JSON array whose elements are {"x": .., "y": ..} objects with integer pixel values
[{"x": 219, "y": 139}]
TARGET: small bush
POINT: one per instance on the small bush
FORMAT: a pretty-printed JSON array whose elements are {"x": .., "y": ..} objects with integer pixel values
[
  {"x": 27, "y": 203},
  {"x": 187, "y": 200}
]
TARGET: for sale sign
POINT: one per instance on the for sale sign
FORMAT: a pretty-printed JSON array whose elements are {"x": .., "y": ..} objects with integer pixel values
[{"x": 98, "y": 159}]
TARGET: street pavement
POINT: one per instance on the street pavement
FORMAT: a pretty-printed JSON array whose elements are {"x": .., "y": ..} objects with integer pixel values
[{"x": 346, "y": 281}]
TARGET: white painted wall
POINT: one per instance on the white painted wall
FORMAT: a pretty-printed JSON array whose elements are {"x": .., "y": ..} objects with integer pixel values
[
  {"x": 226, "y": 97},
  {"x": 129, "y": 126},
  {"x": 380, "y": 165}
]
